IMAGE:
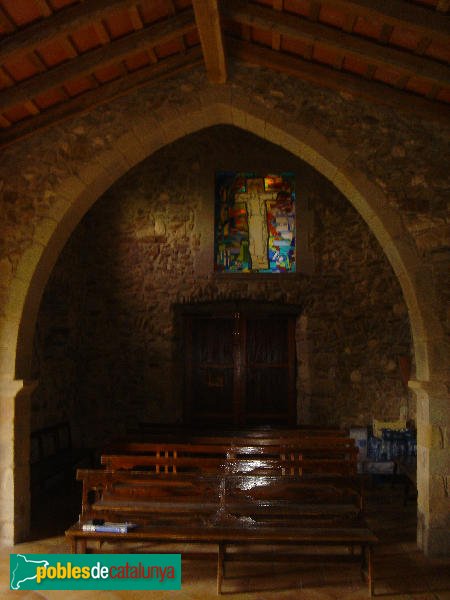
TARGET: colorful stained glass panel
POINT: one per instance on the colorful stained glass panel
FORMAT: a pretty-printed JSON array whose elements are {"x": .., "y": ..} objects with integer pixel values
[{"x": 254, "y": 222}]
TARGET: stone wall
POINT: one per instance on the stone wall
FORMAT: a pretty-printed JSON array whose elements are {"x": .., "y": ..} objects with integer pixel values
[
  {"x": 106, "y": 340},
  {"x": 392, "y": 166}
]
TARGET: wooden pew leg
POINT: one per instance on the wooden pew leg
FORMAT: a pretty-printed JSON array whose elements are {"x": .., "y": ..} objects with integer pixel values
[
  {"x": 367, "y": 566},
  {"x": 220, "y": 566},
  {"x": 370, "y": 570},
  {"x": 81, "y": 545}
]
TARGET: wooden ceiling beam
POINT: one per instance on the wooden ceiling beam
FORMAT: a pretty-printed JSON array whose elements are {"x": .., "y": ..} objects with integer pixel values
[
  {"x": 207, "y": 17},
  {"x": 301, "y": 29},
  {"x": 337, "y": 80},
  {"x": 85, "y": 64},
  {"x": 148, "y": 77},
  {"x": 276, "y": 37},
  {"x": 59, "y": 24},
  {"x": 398, "y": 13}
]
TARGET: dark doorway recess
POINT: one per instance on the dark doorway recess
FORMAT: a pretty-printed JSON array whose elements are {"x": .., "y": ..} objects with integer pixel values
[{"x": 239, "y": 363}]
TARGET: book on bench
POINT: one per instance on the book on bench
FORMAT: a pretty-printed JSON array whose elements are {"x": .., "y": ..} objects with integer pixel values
[{"x": 108, "y": 527}]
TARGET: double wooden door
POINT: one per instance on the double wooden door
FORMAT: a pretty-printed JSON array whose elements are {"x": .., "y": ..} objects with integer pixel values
[{"x": 240, "y": 368}]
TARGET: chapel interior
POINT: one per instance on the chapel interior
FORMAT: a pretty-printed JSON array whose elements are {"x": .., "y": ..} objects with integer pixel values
[{"x": 128, "y": 316}]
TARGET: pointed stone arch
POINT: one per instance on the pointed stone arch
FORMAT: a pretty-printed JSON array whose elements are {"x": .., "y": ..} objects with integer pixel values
[{"x": 79, "y": 192}]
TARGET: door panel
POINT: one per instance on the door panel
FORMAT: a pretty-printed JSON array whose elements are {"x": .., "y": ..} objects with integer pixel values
[
  {"x": 267, "y": 340},
  {"x": 212, "y": 341},
  {"x": 267, "y": 370},
  {"x": 240, "y": 369},
  {"x": 211, "y": 370},
  {"x": 213, "y": 397},
  {"x": 267, "y": 396}
]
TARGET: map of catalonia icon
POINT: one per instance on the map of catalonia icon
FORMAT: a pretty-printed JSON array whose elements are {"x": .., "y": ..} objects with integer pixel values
[{"x": 24, "y": 570}]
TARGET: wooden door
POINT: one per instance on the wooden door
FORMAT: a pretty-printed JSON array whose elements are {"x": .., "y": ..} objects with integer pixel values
[
  {"x": 240, "y": 369},
  {"x": 269, "y": 370},
  {"x": 209, "y": 370}
]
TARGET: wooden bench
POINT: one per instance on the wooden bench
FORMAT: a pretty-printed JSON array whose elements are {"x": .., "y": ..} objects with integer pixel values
[
  {"x": 226, "y": 509},
  {"x": 337, "y": 456},
  {"x": 53, "y": 457},
  {"x": 276, "y": 487}
]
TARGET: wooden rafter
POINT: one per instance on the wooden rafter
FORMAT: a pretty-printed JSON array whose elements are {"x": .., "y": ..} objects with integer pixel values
[
  {"x": 59, "y": 24},
  {"x": 276, "y": 37},
  {"x": 343, "y": 82},
  {"x": 90, "y": 61},
  {"x": 207, "y": 17},
  {"x": 310, "y": 32},
  {"x": 398, "y": 13},
  {"x": 148, "y": 76}
]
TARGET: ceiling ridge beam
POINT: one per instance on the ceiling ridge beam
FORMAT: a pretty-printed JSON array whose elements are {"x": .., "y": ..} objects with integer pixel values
[
  {"x": 148, "y": 76},
  {"x": 57, "y": 25},
  {"x": 88, "y": 62},
  {"x": 337, "y": 80},
  {"x": 398, "y": 13},
  {"x": 371, "y": 52},
  {"x": 207, "y": 17}
]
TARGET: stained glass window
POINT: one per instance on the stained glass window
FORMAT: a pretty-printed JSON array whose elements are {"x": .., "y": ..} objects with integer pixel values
[{"x": 254, "y": 223}]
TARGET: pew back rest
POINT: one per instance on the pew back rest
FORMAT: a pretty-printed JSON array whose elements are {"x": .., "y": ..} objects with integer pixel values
[
  {"x": 337, "y": 456},
  {"x": 140, "y": 496}
]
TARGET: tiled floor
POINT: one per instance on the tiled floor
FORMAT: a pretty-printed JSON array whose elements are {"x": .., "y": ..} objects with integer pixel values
[{"x": 401, "y": 571}]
